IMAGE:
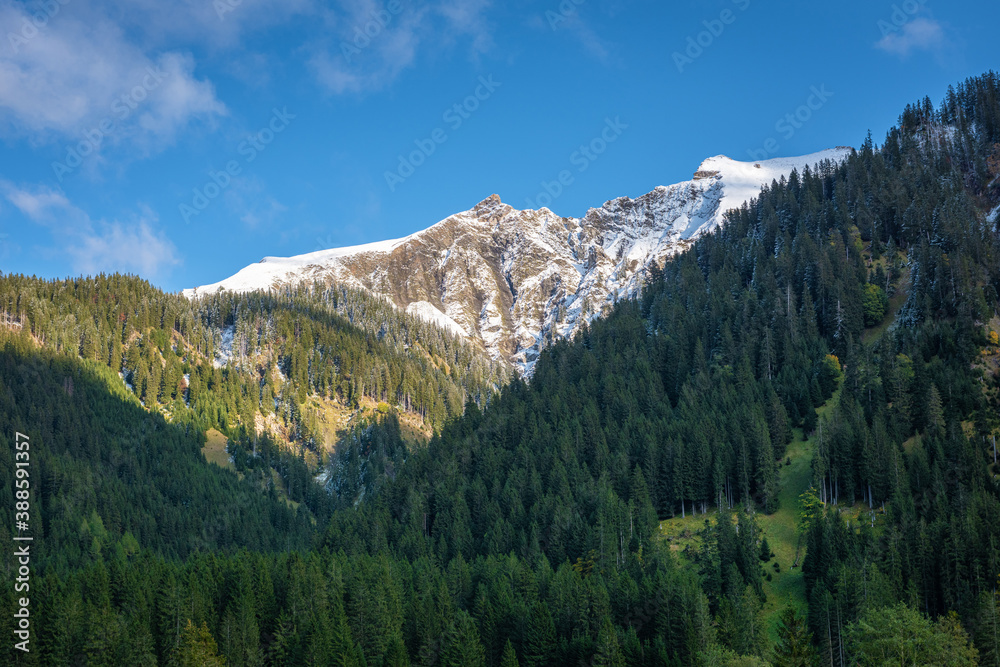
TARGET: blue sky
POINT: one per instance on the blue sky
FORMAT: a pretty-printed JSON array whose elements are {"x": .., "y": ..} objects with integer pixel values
[{"x": 183, "y": 140}]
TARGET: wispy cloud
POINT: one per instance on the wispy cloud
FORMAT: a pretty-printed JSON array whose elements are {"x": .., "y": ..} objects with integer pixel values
[
  {"x": 468, "y": 18},
  {"x": 74, "y": 74},
  {"x": 214, "y": 24},
  {"x": 36, "y": 205},
  {"x": 588, "y": 38},
  {"x": 370, "y": 46},
  {"x": 567, "y": 18},
  {"x": 132, "y": 246},
  {"x": 357, "y": 66},
  {"x": 920, "y": 34}
]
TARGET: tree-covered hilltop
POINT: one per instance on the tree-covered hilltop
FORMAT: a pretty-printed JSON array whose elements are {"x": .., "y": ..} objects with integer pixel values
[
  {"x": 283, "y": 346},
  {"x": 528, "y": 530},
  {"x": 302, "y": 329},
  {"x": 108, "y": 475}
]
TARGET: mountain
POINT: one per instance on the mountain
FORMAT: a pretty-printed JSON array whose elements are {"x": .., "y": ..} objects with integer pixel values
[
  {"x": 516, "y": 280},
  {"x": 799, "y": 412}
]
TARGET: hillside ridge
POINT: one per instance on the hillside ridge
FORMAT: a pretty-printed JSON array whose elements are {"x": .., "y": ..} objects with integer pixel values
[{"x": 517, "y": 280}]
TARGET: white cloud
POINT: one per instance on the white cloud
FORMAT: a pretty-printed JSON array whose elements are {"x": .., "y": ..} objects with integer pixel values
[
  {"x": 36, "y": 205},
  {"x": 133, "y": 246},
  {"x": 467, "y": 17},
  {"x": 920, "y": 34},
  {"x": 356, "y": 61},
  {"x": 215, "y": 24},
  {"x": 81, "y": 69},
  {"x": 179, "y": 99}
]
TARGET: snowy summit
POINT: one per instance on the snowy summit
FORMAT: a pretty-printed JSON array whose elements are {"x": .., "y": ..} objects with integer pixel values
[{"x": 517, "y": 280}]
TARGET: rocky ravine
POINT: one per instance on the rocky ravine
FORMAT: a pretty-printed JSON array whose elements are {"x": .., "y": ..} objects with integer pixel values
[{"x": 516, "y": 280}]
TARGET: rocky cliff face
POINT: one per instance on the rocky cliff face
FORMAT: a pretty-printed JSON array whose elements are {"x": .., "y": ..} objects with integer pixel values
[{"x": 517, "y": 280}]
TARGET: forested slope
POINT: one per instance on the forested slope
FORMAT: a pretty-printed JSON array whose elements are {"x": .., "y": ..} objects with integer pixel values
[
  {"x": 526, "y": 532},
  {"x": 325, "y": 340}
]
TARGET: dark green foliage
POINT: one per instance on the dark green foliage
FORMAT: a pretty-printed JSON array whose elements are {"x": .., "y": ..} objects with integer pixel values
[
  {"x": 540, "y": 637},
  {"x": 986, "y": 629},
  {"x": 900, "y": 636},
  {"x": 934, "y": 501},
  {"x": 528, "y": 526},
  {"x": 322, "y": 339},
  {"x": 509, "y": 658},
  {"x": 794, "y": 647},
  {"x": 109, "y": 475},
  {"x": 462, "y": 647},
  {"x": 609, "y": 653},
  {"x": 765, "y": 550}
]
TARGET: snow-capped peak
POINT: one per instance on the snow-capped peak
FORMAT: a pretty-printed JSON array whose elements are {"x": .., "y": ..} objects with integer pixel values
[{"x": 516, "y": 280}]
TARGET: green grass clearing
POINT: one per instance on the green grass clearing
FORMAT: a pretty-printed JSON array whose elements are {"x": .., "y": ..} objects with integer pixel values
[
  {"x": 787, "y": 587},
  {"x": 896, "y": 302},
  {"x": 215, "y": 450}
]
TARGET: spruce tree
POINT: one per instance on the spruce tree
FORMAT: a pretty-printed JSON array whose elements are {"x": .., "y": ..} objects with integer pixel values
[
  {"x": 509, "y": 658},
  {"x": 462, "y": 647},
  {"x": 608, "y": 653},
  {"x": 794, "y": 647},
  {"x": 540, "y": 636}
]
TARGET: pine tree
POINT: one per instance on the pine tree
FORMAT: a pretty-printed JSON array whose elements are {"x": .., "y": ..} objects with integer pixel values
[
  {"x": 641, "y": 504},
  {"x": 608, "y": 653},
  {"x": 244, "y": 642},
  {"x": 765, "y": 550},
  {"x": 509, "y": 658},
  {"x": 935, "y": 412},
  {"x": 344, "y": 650},
  {"x": 462, "y": 647},
  {"x": 987, "y": 629},
  {"x": 794, "y": 648},
  {"x": 540, "y": 636}
]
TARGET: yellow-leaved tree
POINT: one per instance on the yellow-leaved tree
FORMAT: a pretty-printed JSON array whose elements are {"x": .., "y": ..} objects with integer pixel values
[{"x": 198, "y": 648}]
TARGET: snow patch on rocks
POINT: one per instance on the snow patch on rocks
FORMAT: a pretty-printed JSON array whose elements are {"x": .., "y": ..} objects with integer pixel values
[
  {"x": 225, "y": 352},
  {"x": 515, "y": 281},
  {"x": 428, "y": 312}
]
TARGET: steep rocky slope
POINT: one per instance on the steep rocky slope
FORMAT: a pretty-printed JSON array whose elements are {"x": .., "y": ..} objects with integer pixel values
[{"x": 516, "y": 280}]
